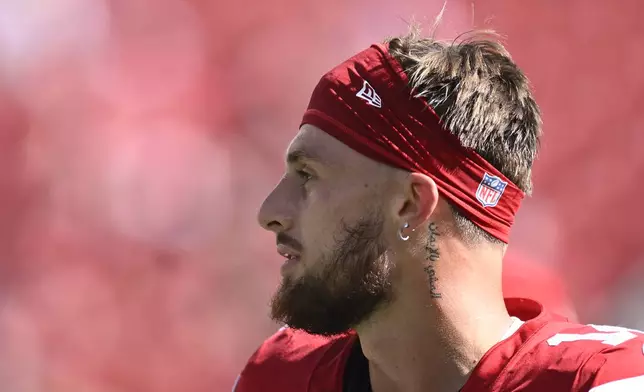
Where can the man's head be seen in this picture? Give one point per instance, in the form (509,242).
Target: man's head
(340,213)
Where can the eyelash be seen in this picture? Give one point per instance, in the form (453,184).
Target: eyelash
(306,176)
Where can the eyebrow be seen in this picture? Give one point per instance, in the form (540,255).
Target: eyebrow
(297,156)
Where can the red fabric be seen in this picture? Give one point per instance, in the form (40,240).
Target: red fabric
(294,361)
(611,370)
(406,133)
(546,354)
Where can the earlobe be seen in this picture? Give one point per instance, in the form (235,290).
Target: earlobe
(421,200)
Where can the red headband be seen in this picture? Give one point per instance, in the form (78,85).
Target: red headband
(366,103)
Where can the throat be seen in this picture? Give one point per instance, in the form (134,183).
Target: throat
(416,361)
(356,372)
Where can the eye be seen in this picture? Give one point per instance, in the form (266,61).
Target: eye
(304,175)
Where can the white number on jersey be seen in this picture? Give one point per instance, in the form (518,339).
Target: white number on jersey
(606,334)
(633,384)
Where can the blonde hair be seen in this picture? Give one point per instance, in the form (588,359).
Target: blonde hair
(482,97)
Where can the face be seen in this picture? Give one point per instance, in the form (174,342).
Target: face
(329,215)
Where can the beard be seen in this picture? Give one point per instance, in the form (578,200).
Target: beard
(355,280)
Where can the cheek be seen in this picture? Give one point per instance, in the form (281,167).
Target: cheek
(318,221)
(324,212)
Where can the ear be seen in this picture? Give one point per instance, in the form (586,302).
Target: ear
(421,199)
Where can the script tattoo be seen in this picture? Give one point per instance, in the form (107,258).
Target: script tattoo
(433,254)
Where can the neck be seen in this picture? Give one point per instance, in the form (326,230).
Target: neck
(420,342)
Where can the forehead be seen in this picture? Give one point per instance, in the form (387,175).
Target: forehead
(316,146)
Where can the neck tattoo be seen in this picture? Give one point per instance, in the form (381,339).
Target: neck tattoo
(432,256)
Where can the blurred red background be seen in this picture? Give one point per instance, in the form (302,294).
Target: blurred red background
(137,139)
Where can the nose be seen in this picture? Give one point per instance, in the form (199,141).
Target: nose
(276,212)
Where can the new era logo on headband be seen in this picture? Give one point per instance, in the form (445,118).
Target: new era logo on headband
(490,190)
(370,95)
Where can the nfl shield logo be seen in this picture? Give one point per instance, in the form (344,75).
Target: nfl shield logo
(490,190)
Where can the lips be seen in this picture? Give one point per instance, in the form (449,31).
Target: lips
(287,252)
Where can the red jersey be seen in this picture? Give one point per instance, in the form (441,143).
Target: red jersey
(547,353)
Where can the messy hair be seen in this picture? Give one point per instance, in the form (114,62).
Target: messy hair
(482,97)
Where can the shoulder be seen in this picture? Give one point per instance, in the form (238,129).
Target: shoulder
(290,359)
(580,357)
(618,364)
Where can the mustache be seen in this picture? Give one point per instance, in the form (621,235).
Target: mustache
(285,239)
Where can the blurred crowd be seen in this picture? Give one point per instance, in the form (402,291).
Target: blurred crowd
(137,139)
